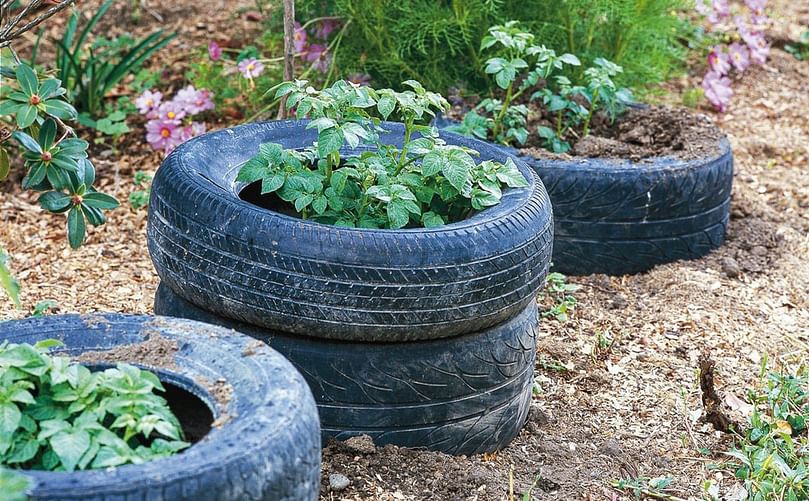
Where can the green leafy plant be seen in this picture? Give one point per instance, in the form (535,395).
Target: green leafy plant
(557,297)
(644,487)
(114,124)
(522,66)
(90,72)
(57,415)
(42,307)
(800,49)
(33,106)
(426,182)
(773,453)
(14,485)
(438,42)
(140,197)
(7,281)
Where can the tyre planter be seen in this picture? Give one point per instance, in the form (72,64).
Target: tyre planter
(620,217)
(271,270)
(462,395)
(263,446)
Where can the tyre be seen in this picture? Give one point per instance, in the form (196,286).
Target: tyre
(268,269)
(462,395)
(620,217)
(264,444)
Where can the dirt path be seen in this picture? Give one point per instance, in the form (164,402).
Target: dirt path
(626,412)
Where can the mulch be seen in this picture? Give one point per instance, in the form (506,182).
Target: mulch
(628,412)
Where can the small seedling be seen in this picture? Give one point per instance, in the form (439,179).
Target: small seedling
(140,197)
(560,295)
(42,307)
(641,487)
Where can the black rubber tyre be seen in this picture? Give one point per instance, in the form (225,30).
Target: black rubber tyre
(620,217)
(623,217)
(462,395)
(267,445)
(275,271)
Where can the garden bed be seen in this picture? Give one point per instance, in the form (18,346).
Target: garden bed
(630,411)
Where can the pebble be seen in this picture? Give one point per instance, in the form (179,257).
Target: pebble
(759,250)
(731,267)
(362,444)
(338,482)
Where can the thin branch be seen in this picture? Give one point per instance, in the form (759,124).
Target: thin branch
(289,50)
(7,36)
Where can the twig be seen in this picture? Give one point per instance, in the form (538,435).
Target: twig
(289,50)
(6,35)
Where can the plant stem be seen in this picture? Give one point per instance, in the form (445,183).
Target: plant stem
(586,130)
(289,50)
(498,121)
(408,132)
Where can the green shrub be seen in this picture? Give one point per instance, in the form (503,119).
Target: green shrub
(438,42)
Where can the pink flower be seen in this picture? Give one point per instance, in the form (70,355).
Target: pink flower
(717,90)
(299,38)
(718,60)
(756,6)
(171,111)
(148,101)
(163,135)
(721,9)
(759,48)
(251,67)
(739,56)
(194,101)
(193,129)
(319,55)
(326,27)
(214,51)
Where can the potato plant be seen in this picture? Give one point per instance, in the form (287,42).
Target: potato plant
(58,415)
(425,182)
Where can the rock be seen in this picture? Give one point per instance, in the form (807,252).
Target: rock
(338,482)
(618,302)
(362,444)
(611,448)
(759,250)
(731,267)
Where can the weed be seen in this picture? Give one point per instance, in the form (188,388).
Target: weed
(557,300)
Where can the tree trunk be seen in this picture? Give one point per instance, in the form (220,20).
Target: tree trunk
(289,50)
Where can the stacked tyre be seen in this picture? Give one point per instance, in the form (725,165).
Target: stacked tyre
(416,337)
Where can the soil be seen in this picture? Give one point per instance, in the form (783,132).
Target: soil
(632,410)
(156,351)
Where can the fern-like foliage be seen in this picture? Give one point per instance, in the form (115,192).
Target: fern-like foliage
(437,41)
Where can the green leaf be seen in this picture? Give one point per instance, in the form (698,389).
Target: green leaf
(36,175)
(570,59)
(10,416)
(75,228)
(329,141)
(27,79)
(431,220)
(457,170)
(322,123)
(9,107)
(511,175)
(302,202)
(432,163)
(272,183)
(386,105)
(47,134)
(26,141)
(26,115)
(60,109)
(70,446)
(398,215)
(55,201)
(319,204)
(100,201)
(49,88)
(5,164)
(482,199)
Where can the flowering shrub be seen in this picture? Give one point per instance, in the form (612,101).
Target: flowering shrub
(743,43)
(170,122)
